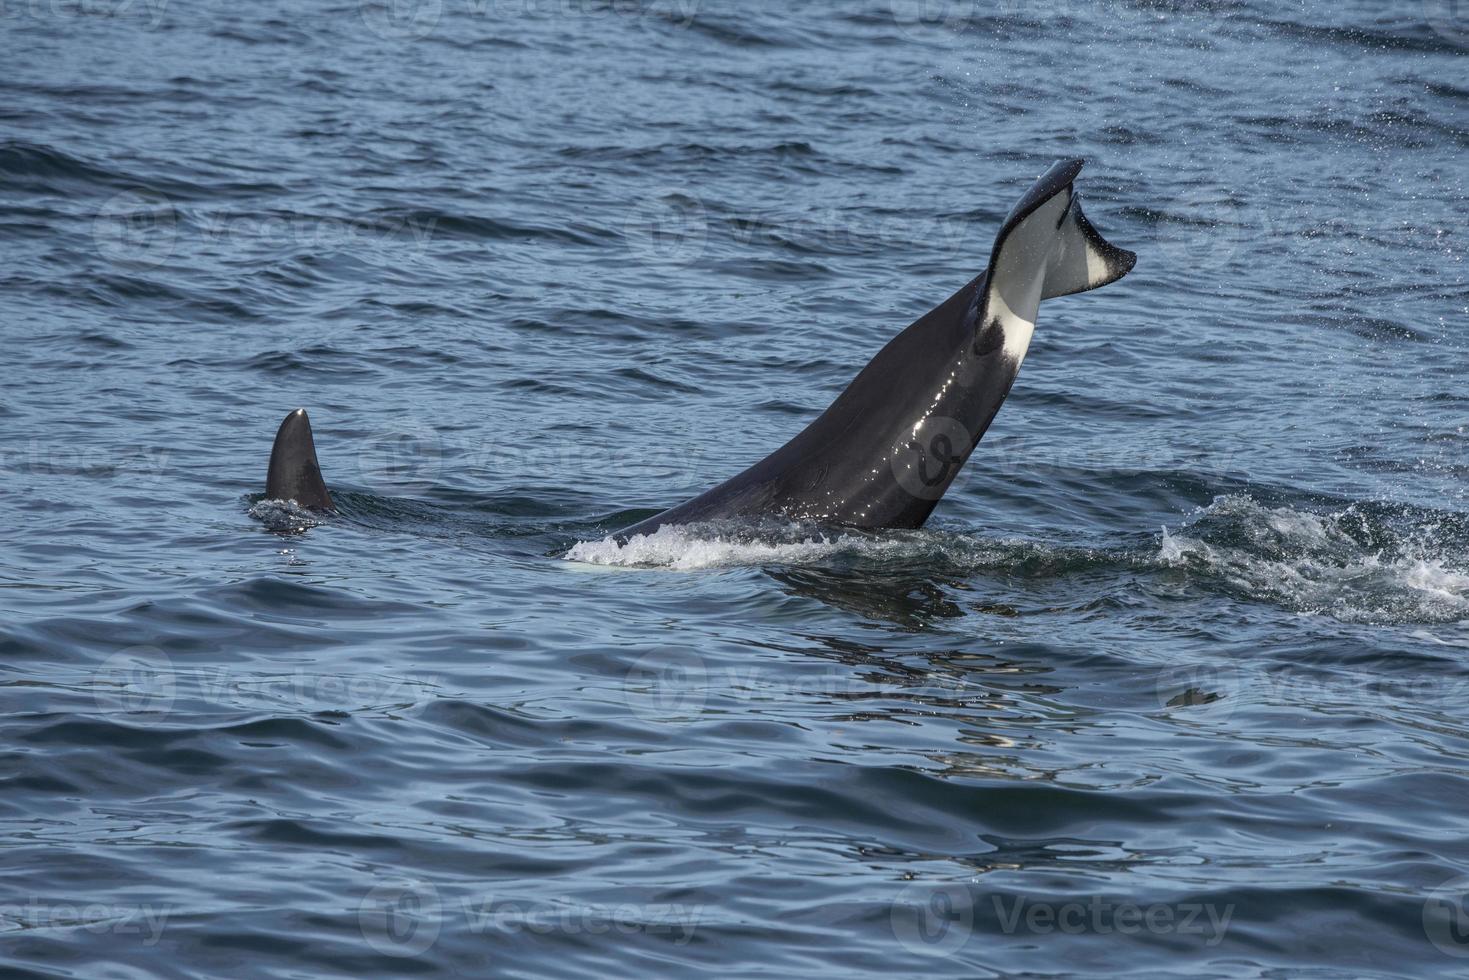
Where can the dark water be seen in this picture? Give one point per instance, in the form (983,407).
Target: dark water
(1175,682)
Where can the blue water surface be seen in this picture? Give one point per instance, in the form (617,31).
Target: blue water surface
(1174,683)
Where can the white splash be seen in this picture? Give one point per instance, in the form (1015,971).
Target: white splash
(1309,562)
(695,547)
(285,515)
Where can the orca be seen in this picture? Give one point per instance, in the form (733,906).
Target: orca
(294,473)
(889,447)
(883,454)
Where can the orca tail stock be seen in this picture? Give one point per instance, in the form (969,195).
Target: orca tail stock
(294,473)
(890,445)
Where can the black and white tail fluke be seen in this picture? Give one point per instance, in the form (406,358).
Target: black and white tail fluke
(294,473)
(1083,258)
(1046,249)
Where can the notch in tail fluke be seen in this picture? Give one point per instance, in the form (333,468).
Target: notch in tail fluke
(294,473)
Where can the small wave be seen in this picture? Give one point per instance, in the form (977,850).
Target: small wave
(285,515)
(420,225)
(39,168)
(1354,565)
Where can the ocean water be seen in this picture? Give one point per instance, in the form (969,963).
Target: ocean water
(1176,681)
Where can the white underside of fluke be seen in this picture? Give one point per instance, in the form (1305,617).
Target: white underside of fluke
(1019,274)
(1050,253)
(1078,263)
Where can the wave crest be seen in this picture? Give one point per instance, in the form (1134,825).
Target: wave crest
(696,546)
(1352,564)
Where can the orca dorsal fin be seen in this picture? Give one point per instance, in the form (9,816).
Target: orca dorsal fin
(294,473)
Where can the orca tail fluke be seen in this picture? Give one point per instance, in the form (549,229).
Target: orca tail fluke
(1083,258)
(294,473)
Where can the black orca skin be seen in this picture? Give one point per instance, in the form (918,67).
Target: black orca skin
(294,472)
